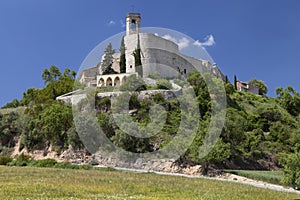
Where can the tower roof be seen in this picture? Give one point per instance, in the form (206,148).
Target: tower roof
(133,15)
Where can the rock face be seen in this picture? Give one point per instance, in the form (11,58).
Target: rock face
(82,156)
(158,165)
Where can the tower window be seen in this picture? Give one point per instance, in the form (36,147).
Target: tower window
(133,24)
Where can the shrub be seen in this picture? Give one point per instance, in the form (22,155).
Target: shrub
(159,98)
(93,162)
(5,151)
(5,159)
(21,160)
(154,75)
(291,169)
(163,84)
(66,165)
(49,162)
(86,167)
(180,82)
(133,83)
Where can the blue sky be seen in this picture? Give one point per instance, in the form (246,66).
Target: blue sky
(251,38)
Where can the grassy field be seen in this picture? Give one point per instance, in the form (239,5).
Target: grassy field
(46,183)
(267,176)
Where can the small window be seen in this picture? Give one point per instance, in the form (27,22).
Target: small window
(133,24)
(184,71)
(130,66)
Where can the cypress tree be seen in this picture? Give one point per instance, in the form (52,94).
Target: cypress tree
(137,59)
(235,80)
(122,57)
(226,79)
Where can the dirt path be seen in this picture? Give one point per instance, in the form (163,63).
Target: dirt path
(226,177)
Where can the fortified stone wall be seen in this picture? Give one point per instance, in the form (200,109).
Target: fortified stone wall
(147,41)
(162,56)
(168,64)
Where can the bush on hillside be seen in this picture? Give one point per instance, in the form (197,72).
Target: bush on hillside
(49,162)
(5,159)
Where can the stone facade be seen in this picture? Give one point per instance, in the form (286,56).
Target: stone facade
(246,87)
(88,75)
(112,79)
(162,56)
(157,55)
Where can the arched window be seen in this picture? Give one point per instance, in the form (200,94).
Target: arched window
(109,82)
(117,81)
(101,82)
(123,79)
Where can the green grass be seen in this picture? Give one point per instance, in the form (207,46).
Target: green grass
(267,176)
(51,183)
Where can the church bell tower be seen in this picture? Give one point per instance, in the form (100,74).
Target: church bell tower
(133,22)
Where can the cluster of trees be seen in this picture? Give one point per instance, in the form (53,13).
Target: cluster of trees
(56,83)
(258,129)
(43,121)
(108,59)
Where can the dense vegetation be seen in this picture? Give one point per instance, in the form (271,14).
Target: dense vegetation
(260,132)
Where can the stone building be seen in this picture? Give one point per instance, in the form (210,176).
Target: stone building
(157,55)
(246,87)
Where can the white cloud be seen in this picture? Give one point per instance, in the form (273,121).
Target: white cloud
(122,24)
(208,41)
(111,23)
(182,43)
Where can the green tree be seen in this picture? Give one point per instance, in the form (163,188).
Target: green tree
(29,96)
(163,84)
(291,169)
(289,99)
(13,104)
(55,121)
(68,74)
(122,56)
(235,82)
(252,146)
(235,126)
(51,75)
(197,81)
(137,59)
(8,129)
(108,60)
(131,143)
(262,88)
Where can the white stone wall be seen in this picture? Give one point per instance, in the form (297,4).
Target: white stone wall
(147,41)
(130,45)
(162,56)
(88,74)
